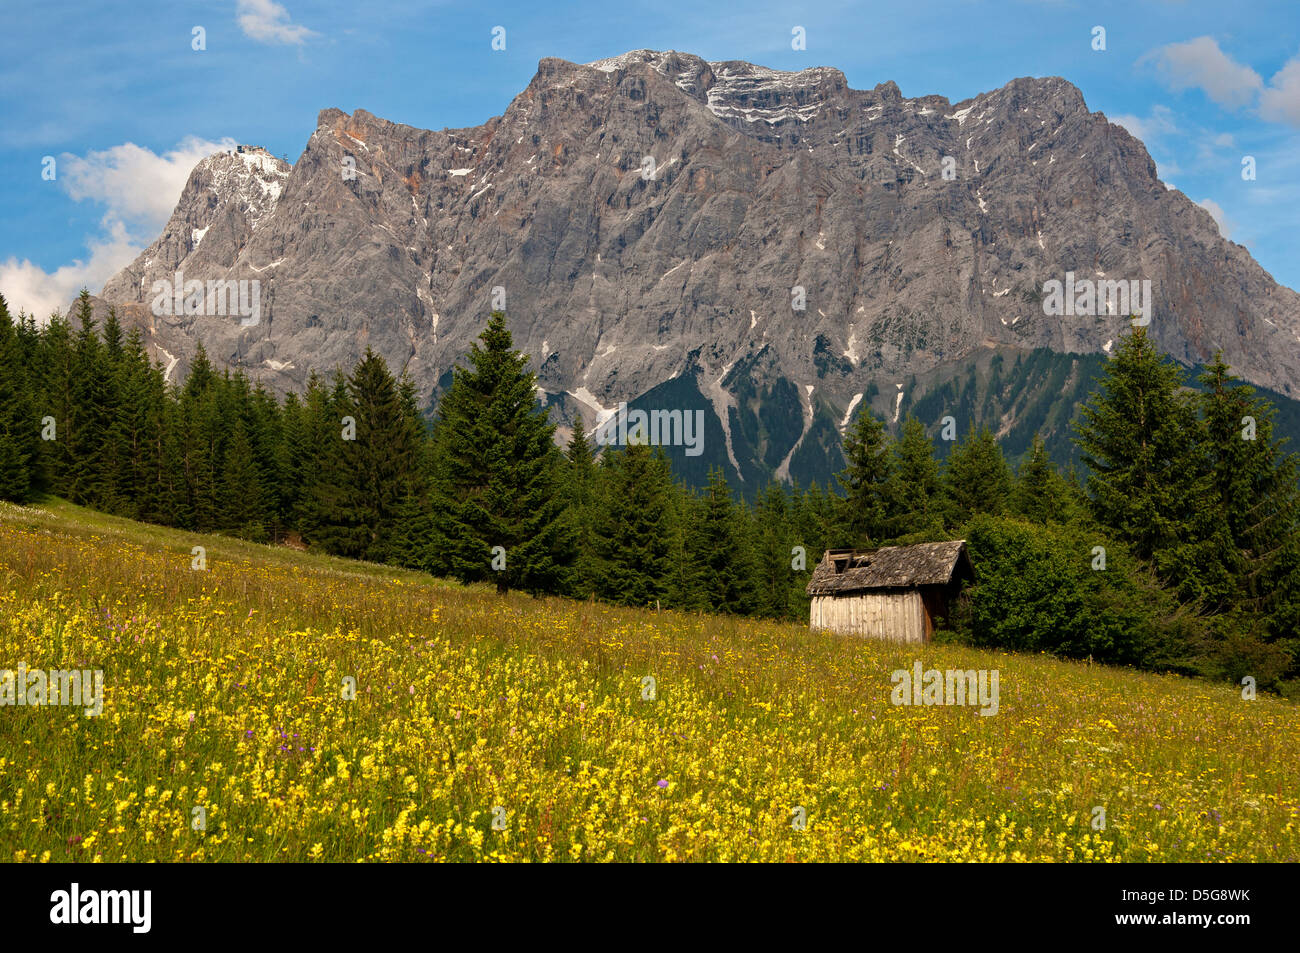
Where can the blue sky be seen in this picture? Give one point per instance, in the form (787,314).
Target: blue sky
(116,94)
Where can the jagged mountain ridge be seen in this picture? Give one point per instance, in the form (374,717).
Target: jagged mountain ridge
(763,180)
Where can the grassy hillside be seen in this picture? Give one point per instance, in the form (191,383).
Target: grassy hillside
(223,691)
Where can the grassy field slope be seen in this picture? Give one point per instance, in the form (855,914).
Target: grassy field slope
(223,690)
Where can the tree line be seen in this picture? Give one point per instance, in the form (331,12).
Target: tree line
(1178,550)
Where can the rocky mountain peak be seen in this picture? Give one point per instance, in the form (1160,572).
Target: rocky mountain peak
(660,227)
(738,90)
(227,197)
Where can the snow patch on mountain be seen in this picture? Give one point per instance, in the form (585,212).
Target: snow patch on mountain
(848,414)
(251,178)
(603,413)
(850,348)
(171,363)
(740,88)
(783,471)
(723,400)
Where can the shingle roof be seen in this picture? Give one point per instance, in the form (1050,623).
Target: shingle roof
(922,564)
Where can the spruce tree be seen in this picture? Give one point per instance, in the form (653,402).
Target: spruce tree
(339,521)
(497,478)
(686,583)
(634,530)
(914,490)
(865,481)
(56,400)
(1040,493)
(415,521)
(243,501)
(777,583)
(202,377)
(1255,499)
(91,409)
(379,464)
(291,462)
(174,500)
(197,449)
(415,531)
(19,426)
(33,356)
(264,428)
(1138,432)
(723,548)
(814,521)
(580,472)
(134,443)
(319,462)
(113,339)
(976,478)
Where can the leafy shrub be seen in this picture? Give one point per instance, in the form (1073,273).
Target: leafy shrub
(1037,591)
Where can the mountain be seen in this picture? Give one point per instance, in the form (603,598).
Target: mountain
(648,221)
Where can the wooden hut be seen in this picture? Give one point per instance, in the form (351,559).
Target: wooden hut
(894,592)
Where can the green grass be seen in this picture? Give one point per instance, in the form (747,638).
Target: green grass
(223,690)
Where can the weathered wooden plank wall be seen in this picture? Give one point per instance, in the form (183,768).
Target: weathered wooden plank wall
(894,615)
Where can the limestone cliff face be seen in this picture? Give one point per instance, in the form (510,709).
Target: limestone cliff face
(649,220)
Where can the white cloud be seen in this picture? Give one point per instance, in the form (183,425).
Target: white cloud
(1159,123)
(136,186)
(138,190)
(28,287)
(1200,64)
(1281,101)
(1164,168)
(268,22)
(1226,225)
(1132,123)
